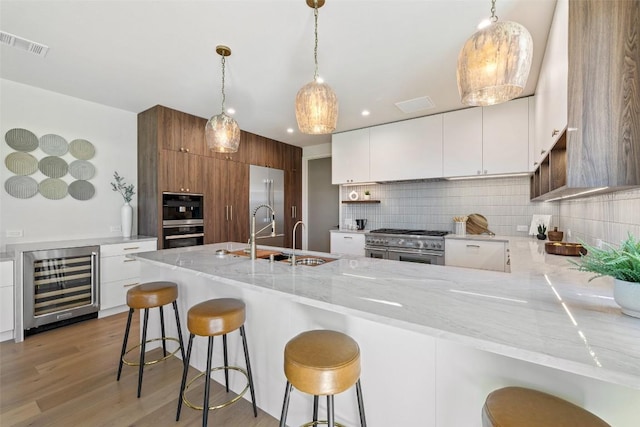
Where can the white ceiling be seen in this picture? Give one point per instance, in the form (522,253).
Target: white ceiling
(133,55)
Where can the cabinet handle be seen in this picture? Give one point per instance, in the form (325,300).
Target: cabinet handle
(535,163)
(186,149)
(473,246)
(226,212)
(478,173)
(130,260)
(181,149)
(131,248)
(187,190)
(542,151)
(181,189)
(296,211)
(231,212)
(348,237)
(293,215)
(485,171)
(555,132)
(130,285)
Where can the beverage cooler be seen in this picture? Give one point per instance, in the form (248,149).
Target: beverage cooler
(60,286)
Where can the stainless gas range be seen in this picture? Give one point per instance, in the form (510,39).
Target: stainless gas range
(422,246)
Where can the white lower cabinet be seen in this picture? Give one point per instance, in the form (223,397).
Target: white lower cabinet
(118,273)
(6,300)
(347,243)
(480,254)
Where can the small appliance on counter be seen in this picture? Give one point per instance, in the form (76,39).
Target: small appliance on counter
(361,224)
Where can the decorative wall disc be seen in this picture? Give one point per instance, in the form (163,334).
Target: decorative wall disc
(53,188)
(54,145)
(21,163)
(21,139)
(82,149)
(21,187)
(82,169)
(81,190)
(53,167)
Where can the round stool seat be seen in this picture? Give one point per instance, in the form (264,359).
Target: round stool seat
(523,407)
(152,294)
(322,362)
(216,317)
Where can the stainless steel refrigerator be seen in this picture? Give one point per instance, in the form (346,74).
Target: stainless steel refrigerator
(266,187)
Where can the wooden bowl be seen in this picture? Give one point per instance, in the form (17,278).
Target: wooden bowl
(565,249)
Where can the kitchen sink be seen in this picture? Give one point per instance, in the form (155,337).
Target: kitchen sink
(310,261)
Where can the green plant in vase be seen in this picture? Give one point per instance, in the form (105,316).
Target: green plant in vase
(542,231)
(623,264)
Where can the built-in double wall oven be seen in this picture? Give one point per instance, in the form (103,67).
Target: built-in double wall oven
(182,220)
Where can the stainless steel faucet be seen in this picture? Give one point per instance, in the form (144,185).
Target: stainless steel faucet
(252,238)
(293,239)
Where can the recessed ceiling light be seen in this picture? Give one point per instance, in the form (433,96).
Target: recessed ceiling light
(365,112)
(231,111)
(289,130)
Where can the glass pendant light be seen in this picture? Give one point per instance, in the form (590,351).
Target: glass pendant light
(494,64)
(316,102)
(222,132)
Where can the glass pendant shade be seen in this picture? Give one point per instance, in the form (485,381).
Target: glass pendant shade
(316,109)
(494,64)
(222,134)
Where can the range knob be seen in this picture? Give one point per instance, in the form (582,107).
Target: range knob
(401,242)
(438,245)
(433,245)
(418,244)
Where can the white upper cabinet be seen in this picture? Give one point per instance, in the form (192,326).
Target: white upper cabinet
(350,157)
(505,137)
(551,91)
(411,149)
(463,142)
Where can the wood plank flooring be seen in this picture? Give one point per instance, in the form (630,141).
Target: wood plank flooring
(67,377)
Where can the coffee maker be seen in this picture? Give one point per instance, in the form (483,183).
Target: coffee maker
(361,223)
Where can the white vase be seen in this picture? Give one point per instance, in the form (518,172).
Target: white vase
(126,219)
(627,296)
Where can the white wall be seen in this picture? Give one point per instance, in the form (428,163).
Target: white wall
(113,132)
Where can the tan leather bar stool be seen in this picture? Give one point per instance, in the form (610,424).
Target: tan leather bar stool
(209,319)
(146,296)
(322,363)
(524,407)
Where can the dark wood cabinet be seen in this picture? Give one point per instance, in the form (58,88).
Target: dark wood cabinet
(293,194)
(266,152)
(180,131)
(226,201)
(173,157)
(180,172)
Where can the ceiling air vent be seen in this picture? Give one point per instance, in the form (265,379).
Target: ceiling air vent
(23,44)
(415,105)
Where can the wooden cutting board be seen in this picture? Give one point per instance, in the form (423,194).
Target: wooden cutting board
(477,224)
(260,253)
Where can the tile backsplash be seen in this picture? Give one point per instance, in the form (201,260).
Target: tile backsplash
(607,217)
(433,204)
(503,201)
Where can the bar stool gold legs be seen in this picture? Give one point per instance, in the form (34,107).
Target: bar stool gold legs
(211,318)
(322,363)
(146,296)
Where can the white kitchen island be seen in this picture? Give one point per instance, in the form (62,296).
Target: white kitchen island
(434,340)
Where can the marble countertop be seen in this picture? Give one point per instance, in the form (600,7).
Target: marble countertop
(542,312)
(344,230)
(59,244)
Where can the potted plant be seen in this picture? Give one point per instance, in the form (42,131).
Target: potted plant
(623,264)
(367,194)
(542,229)
(126,211)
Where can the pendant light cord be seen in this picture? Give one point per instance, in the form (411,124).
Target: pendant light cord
(223,96)
(315,48)
(494,18)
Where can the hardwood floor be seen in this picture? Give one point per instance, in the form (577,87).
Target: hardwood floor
(67,377)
